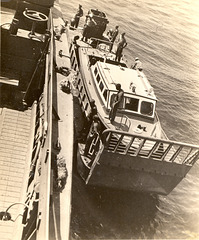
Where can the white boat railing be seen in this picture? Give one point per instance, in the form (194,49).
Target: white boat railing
(125,122)
(149,148)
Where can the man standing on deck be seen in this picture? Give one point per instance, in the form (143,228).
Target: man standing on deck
(113,37)
(91,114)
(78,15)
(90,23)
(137,65)
(121,45)
(88,120)
(118,99)
(93,134)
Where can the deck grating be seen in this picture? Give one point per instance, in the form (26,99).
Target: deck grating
(15,127)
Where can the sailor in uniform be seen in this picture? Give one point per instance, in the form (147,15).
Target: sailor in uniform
(137,65)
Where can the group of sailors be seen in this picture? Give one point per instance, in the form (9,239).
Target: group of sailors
(111,34)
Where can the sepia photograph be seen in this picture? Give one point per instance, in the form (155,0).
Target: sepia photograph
(99,120)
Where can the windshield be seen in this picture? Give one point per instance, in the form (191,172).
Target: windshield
(131,104)
(146,108)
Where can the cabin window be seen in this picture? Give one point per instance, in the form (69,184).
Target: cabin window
(73,61)
(95,71)
(146,108)
(131,104)
(79,81)
(81,88)
(98,78)
(86,106)
(105,94)
(83,98)
(101,86)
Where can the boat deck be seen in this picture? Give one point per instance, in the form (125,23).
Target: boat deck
(122,122)
(15,133)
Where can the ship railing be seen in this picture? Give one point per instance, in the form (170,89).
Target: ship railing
(45,182)
(125,123)
(150,148)
(38,215)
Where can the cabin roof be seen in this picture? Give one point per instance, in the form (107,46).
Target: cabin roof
(113,74)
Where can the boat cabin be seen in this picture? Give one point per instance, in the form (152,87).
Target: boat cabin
(139,98)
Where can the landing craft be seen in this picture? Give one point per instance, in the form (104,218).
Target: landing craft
(132,152)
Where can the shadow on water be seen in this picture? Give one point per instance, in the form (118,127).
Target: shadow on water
(99,213)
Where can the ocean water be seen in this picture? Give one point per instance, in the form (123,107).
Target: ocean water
(165,36)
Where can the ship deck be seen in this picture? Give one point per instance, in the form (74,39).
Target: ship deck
(62,131)
(16,138)
(15,150)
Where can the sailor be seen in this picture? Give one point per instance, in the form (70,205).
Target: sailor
(75,40)
(93,134)
(113,37)
(137,65)
(92,61)
(90,23)
(89,119)
(75,44)
(121,45)
(92,112)
(78,15)
(118,99)
(110,33)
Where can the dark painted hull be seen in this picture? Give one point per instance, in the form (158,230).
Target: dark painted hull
(132,174)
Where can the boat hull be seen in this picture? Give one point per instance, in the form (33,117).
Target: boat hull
(131,174)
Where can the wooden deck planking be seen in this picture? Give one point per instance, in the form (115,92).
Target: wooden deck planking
(15,128)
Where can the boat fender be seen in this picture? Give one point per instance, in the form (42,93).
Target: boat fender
(63,70)
(61,172)
(65,86)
